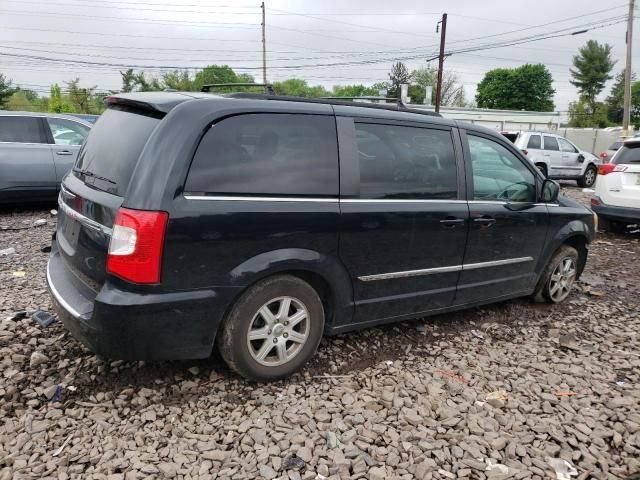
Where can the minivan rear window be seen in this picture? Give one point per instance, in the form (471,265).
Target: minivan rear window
(111,151)
(267,154)
(627,154)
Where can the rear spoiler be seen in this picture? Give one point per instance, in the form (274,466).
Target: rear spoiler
(146,103)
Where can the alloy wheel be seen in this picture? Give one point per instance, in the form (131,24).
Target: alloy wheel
(562,279)
(278,331)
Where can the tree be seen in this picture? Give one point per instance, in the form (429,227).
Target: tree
(57,103)
(398,75)
(20,101)
(528,87)
(220,74)
(593,66)
(128,80)
(615,100)
(82,99)
(6,90)
(299,88)
(354,91)
(178,80)
(584,115)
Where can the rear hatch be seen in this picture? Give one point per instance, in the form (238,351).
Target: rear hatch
(624,181)
(94,190)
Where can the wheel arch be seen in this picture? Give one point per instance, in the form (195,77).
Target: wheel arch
(325,273)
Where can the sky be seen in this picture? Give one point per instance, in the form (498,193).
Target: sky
(329,43)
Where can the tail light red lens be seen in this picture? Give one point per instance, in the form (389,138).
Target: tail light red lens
(621,168)
(606,168)
(525,152)
(135,250)
(604,155)
(595,201)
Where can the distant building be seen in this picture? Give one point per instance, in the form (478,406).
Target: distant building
(501,120)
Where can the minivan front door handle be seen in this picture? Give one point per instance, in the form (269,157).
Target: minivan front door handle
(64,152)
(451,222)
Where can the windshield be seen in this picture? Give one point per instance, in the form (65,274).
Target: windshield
(108,157)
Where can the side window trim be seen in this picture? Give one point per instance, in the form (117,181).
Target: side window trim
(355,170)
(464,134)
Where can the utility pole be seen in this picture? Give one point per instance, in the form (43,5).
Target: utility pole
(443,34)
(626,118)
(264,47)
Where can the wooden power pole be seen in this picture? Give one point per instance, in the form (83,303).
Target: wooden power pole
(264,48)
(626,118)
(443,34)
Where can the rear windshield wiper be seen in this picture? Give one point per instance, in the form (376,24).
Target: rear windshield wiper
(91,174)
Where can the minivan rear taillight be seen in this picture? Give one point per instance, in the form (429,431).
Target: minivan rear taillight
(137,240)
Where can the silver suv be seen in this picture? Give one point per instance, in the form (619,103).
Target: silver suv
(36,151)
(557,157)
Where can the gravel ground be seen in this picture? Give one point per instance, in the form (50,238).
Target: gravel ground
(513,390)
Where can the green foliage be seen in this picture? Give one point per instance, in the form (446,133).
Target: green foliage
(57,103)
(615,100)
(20,101)
(82,99)
(354,91)
(299,88)
(581,114)
(528,87)
(593,66)
(6,90)
(398,75)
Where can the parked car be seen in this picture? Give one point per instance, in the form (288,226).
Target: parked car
(259,223)
(557,157)
(617,196)
(89,118)
(610,152)
(36,151)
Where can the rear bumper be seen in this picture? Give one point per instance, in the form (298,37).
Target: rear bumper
(118,324)
(620,214)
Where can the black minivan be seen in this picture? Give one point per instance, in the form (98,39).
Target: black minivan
(260,223)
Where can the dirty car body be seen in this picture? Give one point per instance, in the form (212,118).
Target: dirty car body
(389,215)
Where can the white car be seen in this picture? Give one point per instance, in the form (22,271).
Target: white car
(617,196)
(557,157)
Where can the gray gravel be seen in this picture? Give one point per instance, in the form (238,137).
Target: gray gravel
(533,387)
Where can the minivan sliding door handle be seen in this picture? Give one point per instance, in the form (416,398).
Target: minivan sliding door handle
(484,220)
(451,222)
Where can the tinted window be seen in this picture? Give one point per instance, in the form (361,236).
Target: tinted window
(534,142)
(20,129)
(405,162)
(566,146)
(615,146)
(550,143)
(498,174)
(66,132)
(627,154)
(112,149)
(267,154)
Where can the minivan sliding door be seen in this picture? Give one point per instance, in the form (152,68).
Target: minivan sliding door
(403,224)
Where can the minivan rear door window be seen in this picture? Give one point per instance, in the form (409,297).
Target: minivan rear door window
(21,129)
(110,153)
(267,154)
(406,162)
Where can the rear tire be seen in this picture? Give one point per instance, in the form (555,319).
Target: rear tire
(273,329)
(558,277)
(589,177)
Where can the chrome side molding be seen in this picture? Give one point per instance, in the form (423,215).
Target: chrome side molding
(451,268)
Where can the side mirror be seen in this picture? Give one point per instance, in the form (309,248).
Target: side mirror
(550,191)
(580,158)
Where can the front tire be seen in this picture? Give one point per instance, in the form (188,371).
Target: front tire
(273,329)
(589,177)
(559,275)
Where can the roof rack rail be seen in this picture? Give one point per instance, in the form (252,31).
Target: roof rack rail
(399,106)
(268,88)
